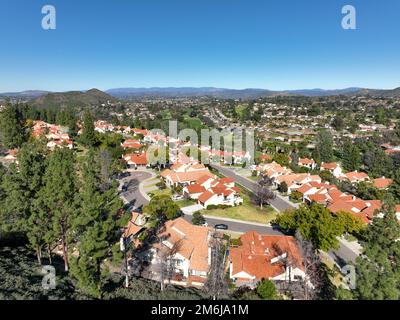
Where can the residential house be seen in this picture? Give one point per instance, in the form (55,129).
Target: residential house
(354,177)
(333,168)
(132,144)
(364,209)
(136,160)
(134,227)
(103,126)
(295,181)
(193,191)
(221,195)
(382,183)
(307,163)
(272,257)
(187,248)
(274,170)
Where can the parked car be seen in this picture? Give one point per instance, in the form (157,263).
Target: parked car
(125,187)
(177,197)
(221,227)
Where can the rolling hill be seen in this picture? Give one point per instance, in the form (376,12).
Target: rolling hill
(29,94)
(380,93)
(72,99)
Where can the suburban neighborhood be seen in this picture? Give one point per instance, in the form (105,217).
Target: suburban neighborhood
(237,155)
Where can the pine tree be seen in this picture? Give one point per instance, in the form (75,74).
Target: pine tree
(324,147)
(11,128)
(351,156)
(21,185)
(88,135)
(378,269)
(97,225)
(60,196)
(395,187)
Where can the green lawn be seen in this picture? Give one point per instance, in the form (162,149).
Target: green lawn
(185,203)
(160,192)
(246,212)
(155,180)
(149,186)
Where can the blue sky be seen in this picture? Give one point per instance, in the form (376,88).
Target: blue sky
(272,44)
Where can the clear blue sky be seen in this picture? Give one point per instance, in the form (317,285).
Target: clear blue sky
(272,44)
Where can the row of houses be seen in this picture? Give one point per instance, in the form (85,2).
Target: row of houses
(313,190)
(104,127)
(337,201)
(188,249)
(57,136)
(199,184)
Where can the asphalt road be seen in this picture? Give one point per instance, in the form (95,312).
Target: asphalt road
(239,226)
(133,194)
(278,203)
(344,254)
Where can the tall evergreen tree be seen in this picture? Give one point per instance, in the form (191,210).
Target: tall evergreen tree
(377,162)
(351,156)
(97,226)
(88,134)
(60,196)
(12,128)
(323,151)
(21,185)
(378,269)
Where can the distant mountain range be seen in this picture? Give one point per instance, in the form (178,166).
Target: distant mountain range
(30,94)
(94,96)
(130,93)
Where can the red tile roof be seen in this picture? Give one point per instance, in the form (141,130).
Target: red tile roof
(138,159)
(256,252)
(195,188)
(382,183)
(206,196)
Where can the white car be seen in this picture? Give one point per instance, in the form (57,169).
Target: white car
(177,197)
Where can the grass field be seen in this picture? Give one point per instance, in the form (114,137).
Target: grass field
(160,192)
(185,203)
(245,213)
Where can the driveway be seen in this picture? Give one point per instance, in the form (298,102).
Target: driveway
(279,203)
(135,195)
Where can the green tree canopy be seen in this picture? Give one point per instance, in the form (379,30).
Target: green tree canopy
(12,131)
(317,224)
(161,208)
(378,269)
(266,290)
(88,136)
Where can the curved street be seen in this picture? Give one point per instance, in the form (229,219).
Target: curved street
(134,196)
